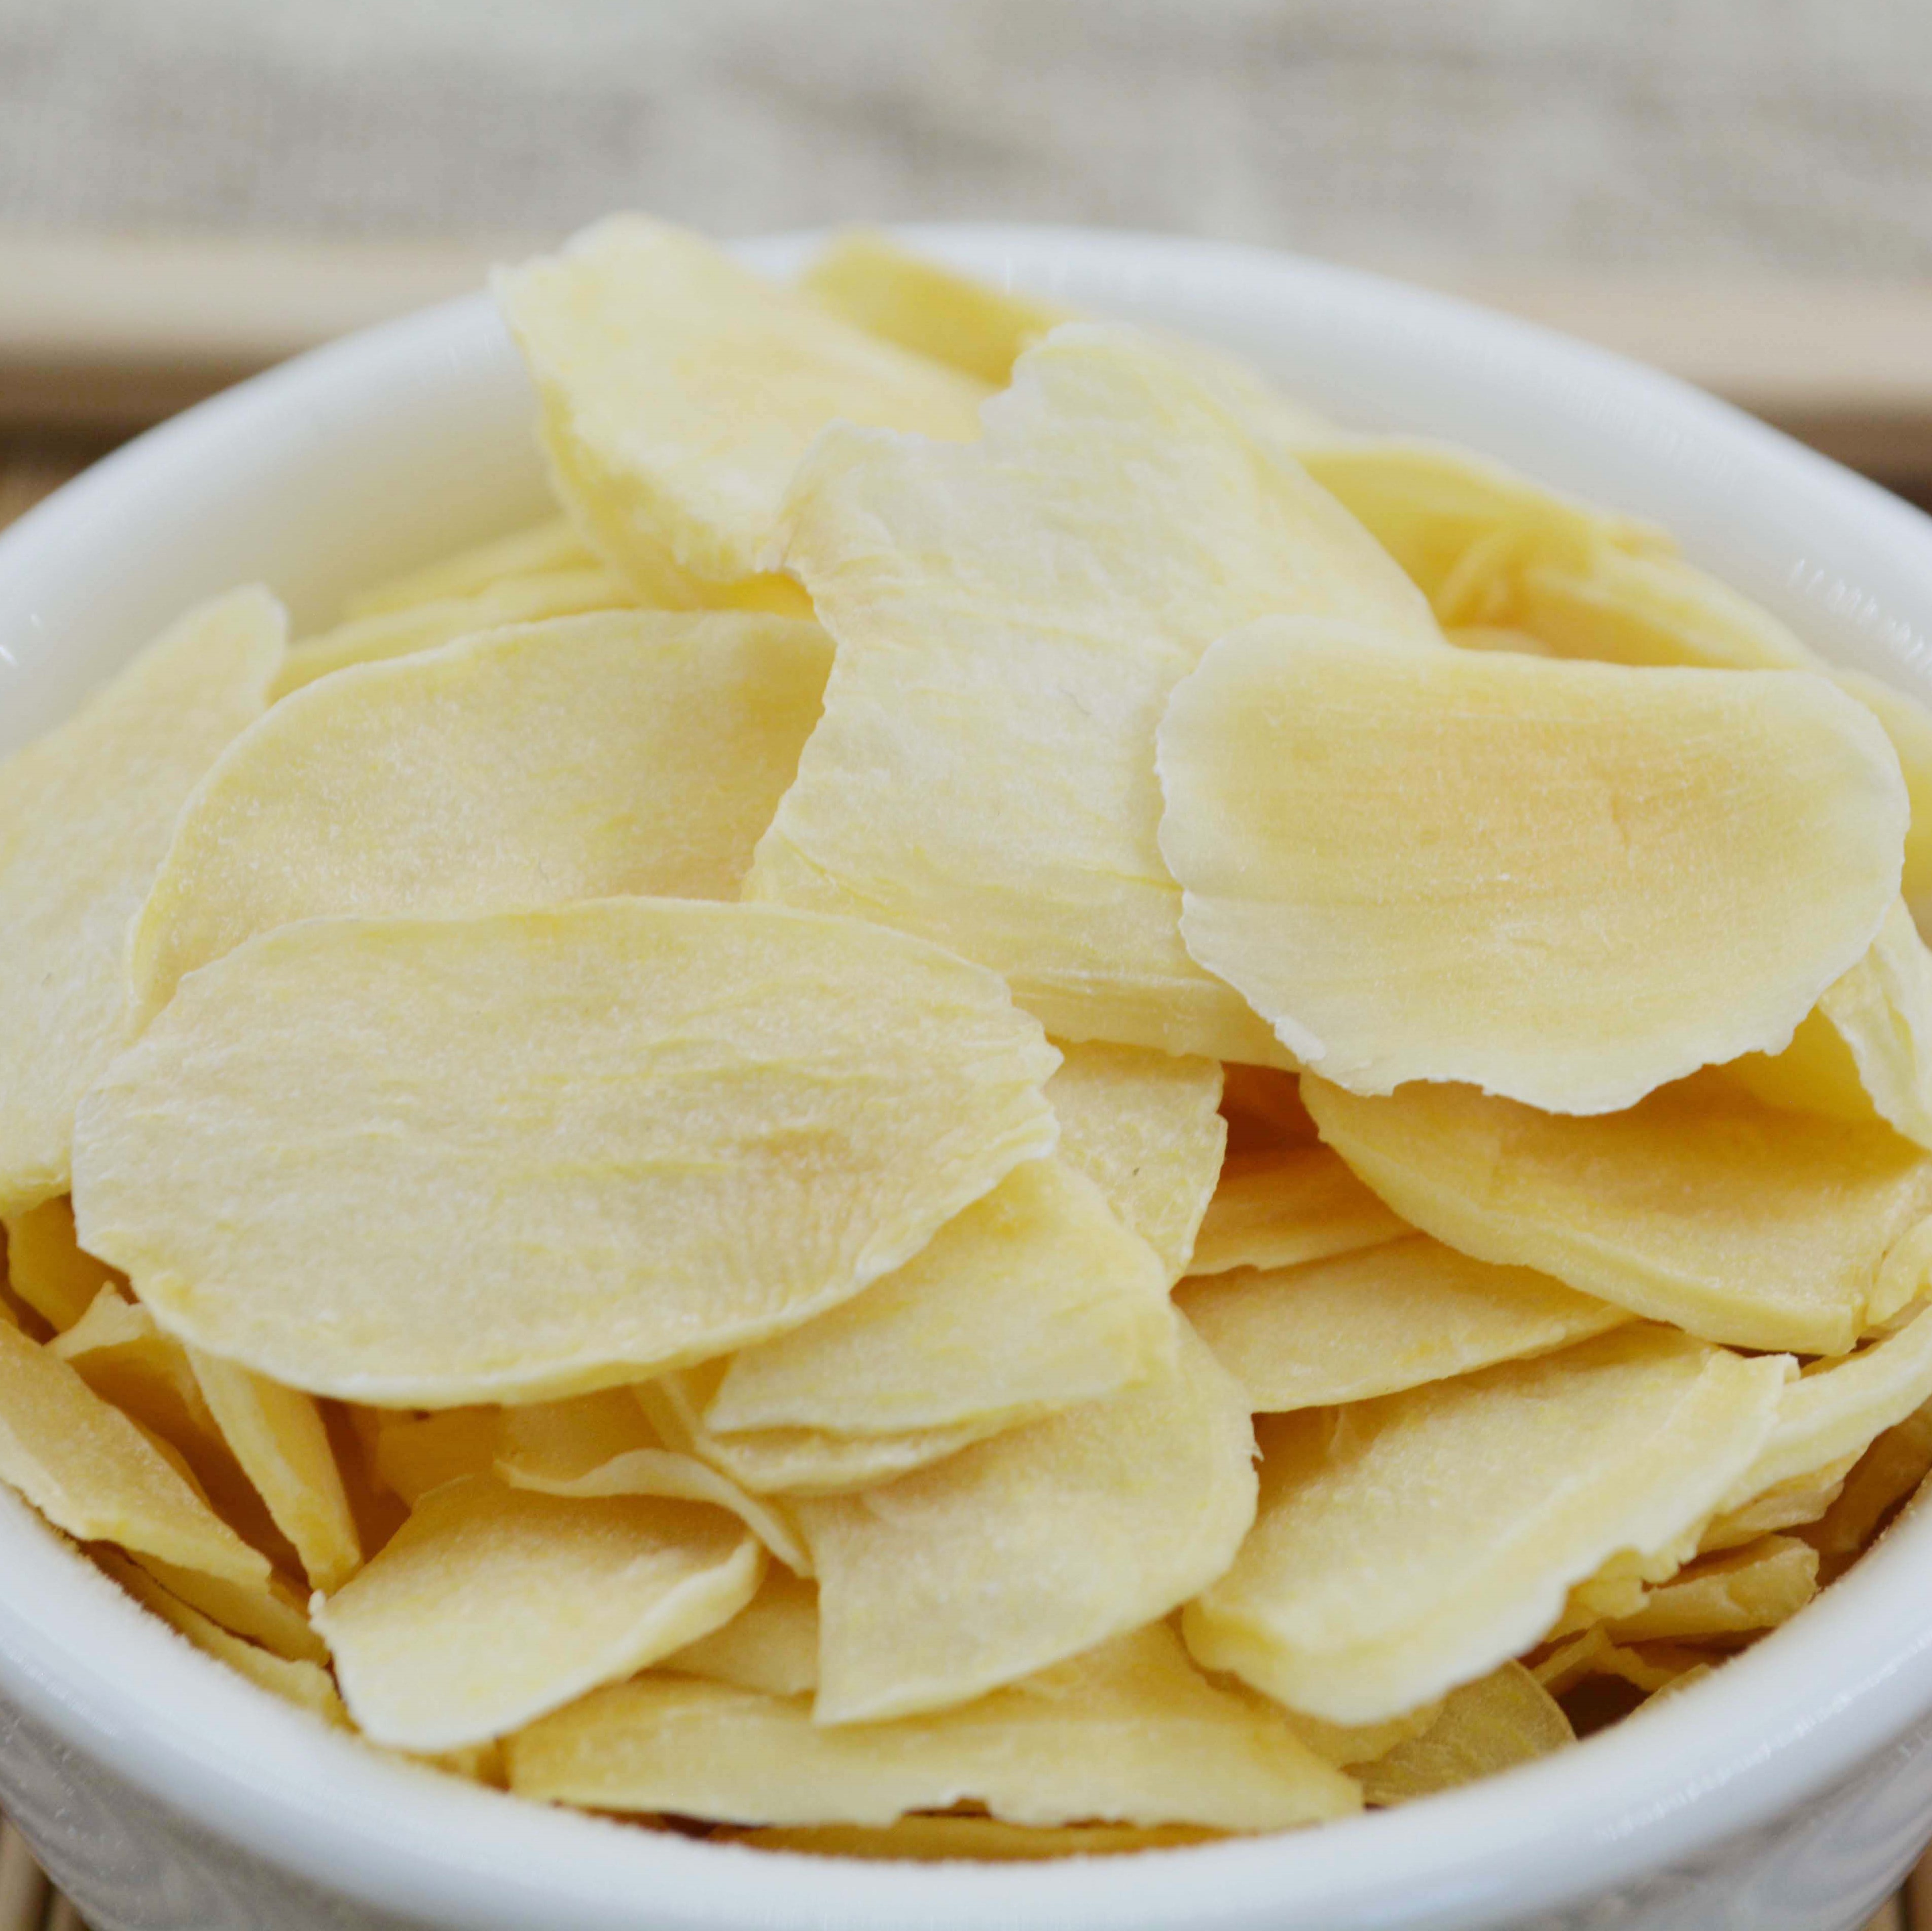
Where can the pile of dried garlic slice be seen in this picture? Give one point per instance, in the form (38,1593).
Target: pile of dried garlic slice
(1018,1107)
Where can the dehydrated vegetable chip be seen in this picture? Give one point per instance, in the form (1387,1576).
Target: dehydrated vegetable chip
(86,815)
(680,391)
(869,280)
(539,551)
(90,1471)
(438,1162)
(1368,1323)
(47,1268)
(1031,1547)
(1702,1206)
(1129,1732)
(277,1434)
(1500,1720)
(1409,1544)
(1280,1206)
(771,1644)
(1624,875)
(639,752)
(491,1606)
(1035,1298)
(1010,616)
(1143,1126)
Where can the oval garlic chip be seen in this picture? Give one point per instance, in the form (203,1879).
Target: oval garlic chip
(1866,1048)
(490,1607)
(771,1644)
(1410,1544)
(1280,1206)
(1145,1128)
(796,1460)
(539,551)
(1486,1727)
(1756,1587)
(680,391)
(1031,1547)
(603,1444)
(1035,1298)
(866,279)
(92,1472)
(1622,608)
(1464,528)
(436,1162)
(1129,1732)
(1010,615)
(1837,1409)
(637,752)
(390,634)
(1366,1324)
(278,1435)
(86,816)
(45,1266)
(1740,1221)
(1567,883)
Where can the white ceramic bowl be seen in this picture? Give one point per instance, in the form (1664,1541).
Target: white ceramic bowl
(1787,1794)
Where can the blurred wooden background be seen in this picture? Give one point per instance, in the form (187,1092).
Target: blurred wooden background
(1738,191)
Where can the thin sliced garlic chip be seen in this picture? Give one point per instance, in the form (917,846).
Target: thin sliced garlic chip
(1742,1222)
(1463,528)
(92,1472)
(1367,1323)
(390,634)
(1837,1409)
(46,1269)
(771,1644)
(865,278)
(1737,1593)
(1623,875)
(490,1607)
(540,550)
(603,1444)
(1009,617)
(1280,1206)
(1492,1725)
(278,1435)
(1410,1544)
(793,1461)
(1129,1732)
(1033,1298)
(1145,1128)
(1031,1547)
(86,816)
(680,391)
(1866,1048)
(634,753)
(437,1161)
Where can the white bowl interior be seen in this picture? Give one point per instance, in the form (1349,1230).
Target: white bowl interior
(377,453)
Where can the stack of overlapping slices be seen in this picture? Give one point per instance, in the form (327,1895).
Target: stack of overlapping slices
(685,1167)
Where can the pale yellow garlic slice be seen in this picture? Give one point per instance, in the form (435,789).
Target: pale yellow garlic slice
(635,752)
(1031,1547)
(86,816)
(490,1607)
(321,1161)
(680,391)
(1034,1298)
(1625,875)
(1743,1222)
(1368,1323)
(1129,1732)
(1143,1126)
(1279,1207)
(1412,1543)
(1010,616)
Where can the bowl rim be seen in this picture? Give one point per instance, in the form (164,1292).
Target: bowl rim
(1798,1713)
